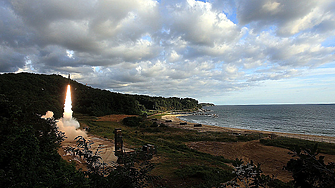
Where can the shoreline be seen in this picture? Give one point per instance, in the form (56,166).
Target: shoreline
(212,128)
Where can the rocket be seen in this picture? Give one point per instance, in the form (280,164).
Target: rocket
(69,78)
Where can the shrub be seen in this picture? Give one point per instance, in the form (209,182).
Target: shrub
(162,125)
(250,175)
(132,121)
(211,176)
(154,124)
(308,171)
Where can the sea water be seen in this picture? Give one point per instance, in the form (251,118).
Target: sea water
(298,118)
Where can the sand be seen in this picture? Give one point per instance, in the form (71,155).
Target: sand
(272,159)
(176,123)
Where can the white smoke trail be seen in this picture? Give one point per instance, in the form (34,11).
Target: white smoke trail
(67,123)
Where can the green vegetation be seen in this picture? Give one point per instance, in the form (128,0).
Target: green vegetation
(40,93)
(29,144)
(250,175)
(206,176)
(132,121)
(191,168)
(29,157)
(310,171)
(176,157)
(28,151)
(164,104)
(207,104)
(295,144)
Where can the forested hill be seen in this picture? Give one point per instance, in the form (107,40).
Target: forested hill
(40,93)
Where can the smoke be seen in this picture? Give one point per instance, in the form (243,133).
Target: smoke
(49,114)
(70,127)
(67,123)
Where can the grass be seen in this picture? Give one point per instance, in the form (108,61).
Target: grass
(178,163)
(173,154)
(292,143)
(209,175)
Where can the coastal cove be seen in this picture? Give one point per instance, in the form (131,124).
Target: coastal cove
(309,122)
(296,119)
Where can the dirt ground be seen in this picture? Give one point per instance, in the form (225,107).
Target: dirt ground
(175,122)
(272,159)
(105,146)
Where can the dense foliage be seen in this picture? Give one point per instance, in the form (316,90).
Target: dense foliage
(132,121)
(293,143)
(250,175)
(41,93)
(28,151)
(160,103)
(112,175)
(209,176)
(29,158)
(310,171)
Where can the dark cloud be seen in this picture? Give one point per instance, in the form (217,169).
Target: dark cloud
(168,48)
(288,17)
(10,60)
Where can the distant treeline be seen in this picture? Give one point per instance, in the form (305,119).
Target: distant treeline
(207,104)
(40,93)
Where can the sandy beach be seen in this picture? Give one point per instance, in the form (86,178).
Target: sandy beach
(175,122)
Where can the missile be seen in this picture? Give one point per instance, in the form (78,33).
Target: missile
(69,78)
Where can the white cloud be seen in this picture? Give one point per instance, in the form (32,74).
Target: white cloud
(198,23)
(169,48)
(271,7)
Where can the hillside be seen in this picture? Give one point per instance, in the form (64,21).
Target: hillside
(40,93)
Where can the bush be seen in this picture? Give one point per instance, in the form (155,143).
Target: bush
(250,175)
(132,171)
(293,143)
(162,125)
(132,121)
(154,124)
(310,171)
(28,151)
(210,175)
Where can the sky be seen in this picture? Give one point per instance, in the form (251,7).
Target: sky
(217,51)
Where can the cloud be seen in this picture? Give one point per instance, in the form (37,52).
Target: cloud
(289,17)
(198,23)
(184,48)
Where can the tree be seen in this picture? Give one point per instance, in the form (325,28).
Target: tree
(113,175)
(28,151)
(249,175)
(310,172)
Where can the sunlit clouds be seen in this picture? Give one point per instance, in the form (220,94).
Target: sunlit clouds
(209,50)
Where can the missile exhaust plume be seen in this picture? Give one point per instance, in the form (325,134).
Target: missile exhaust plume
(67,123)
(68,104)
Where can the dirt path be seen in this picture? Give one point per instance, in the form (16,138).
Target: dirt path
(272,159)
(105,146)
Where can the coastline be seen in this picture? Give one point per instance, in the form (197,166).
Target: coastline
(175,122)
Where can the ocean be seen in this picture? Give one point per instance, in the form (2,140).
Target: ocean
(308,119)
